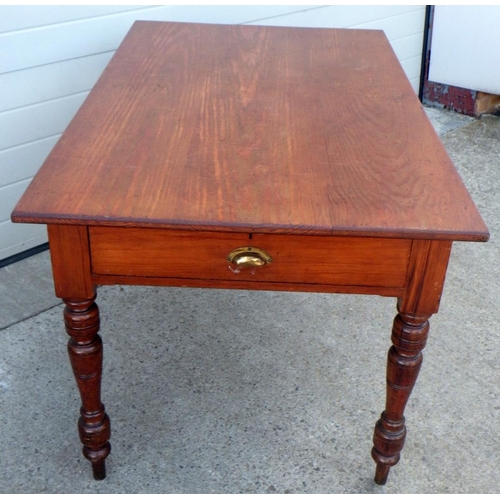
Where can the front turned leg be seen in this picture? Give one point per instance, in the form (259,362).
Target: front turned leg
(409,336)
(85,352)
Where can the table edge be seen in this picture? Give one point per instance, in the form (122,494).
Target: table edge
(297,230)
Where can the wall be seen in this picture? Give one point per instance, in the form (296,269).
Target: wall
(50,57)
(465,47)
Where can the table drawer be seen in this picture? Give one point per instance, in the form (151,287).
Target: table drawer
(295,259)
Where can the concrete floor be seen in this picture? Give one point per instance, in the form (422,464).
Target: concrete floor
(261,392)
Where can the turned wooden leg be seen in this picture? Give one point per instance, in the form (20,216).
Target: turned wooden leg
(409,336)
(85,352)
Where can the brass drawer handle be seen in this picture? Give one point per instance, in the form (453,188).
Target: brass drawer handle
(249,257)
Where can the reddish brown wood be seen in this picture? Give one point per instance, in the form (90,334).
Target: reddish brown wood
(70,257)
(197,136)
(426,275)
(71,266)
(254,128)
(384,291)
(85,353)
(409,336)
(295,259)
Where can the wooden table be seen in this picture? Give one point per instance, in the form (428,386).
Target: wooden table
(258,158)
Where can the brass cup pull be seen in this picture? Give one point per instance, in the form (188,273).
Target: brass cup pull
(249,260)
(249,257)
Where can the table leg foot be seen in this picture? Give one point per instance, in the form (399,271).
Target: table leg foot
(409,336)
(99,470)
(381,474)
(85,353)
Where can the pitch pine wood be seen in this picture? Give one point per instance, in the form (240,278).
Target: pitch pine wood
(296,259)
(409,336)
(248,284)
(426,277)
(308,143)
(242,128)
(70,258)
(81,319)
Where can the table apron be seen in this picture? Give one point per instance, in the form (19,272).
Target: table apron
(197,258)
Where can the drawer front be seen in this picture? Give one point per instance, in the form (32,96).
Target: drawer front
(323,260)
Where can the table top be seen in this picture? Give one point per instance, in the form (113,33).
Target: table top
(251,128)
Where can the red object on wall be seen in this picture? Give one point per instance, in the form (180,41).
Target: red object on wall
(450,97)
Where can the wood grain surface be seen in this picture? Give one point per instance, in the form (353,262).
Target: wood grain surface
(252,128)
(295,259)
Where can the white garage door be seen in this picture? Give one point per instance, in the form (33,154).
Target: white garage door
(50,57)
(465,46)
